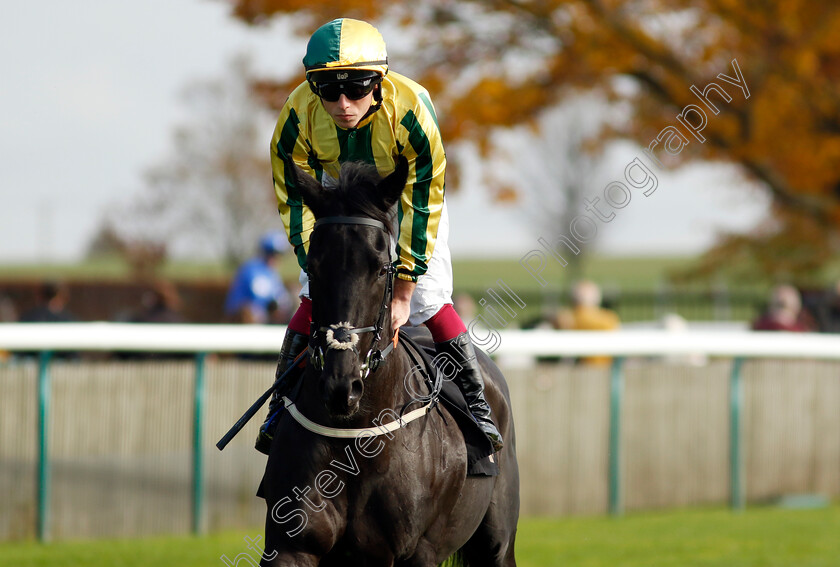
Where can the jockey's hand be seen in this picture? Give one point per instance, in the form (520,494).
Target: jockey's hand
(401,304)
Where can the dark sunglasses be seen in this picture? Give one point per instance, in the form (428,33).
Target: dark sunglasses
(354,90)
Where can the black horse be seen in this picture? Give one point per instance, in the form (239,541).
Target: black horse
(339,494)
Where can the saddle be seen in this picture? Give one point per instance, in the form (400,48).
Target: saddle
(480,460)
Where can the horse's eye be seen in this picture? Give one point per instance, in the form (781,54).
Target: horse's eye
(383,270)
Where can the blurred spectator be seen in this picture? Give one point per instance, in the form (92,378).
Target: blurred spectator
(784,313)
(257,295)
(588,315)
(464,305)
(8,312)
(827,311)
(51,305)
(161,304)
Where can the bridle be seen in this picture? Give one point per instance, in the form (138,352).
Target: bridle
(343,336)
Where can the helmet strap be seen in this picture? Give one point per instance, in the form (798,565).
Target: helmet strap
(377,97)
(312,87)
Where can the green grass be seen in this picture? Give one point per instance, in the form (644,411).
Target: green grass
(714,538)
(620,277)
(759,537)
(641,272)
(629,272)
(110,269)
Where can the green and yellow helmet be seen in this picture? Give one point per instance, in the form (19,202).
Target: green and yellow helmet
(345,49)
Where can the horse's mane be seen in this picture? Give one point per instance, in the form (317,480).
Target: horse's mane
(357,195)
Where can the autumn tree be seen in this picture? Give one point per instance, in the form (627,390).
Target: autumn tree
(550,182)
(212,195)
(499,63)
(144,256)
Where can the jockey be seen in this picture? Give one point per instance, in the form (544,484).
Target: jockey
(351,108)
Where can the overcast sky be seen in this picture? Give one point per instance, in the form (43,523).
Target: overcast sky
(89,94)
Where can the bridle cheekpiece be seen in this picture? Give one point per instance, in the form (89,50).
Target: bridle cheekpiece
(343,336)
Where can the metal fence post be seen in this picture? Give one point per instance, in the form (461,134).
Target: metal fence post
(43,487)
(736,463)
(616,395)
(198,453)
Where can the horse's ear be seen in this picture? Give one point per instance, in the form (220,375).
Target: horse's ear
(392,186)
(311,191)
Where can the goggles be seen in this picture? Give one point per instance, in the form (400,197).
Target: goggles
(354,90)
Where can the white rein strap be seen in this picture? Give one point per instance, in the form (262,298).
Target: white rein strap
(352,433)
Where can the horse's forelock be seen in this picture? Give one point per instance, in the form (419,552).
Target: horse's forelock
(357,194)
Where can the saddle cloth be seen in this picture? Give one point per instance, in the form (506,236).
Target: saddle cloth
(480,458)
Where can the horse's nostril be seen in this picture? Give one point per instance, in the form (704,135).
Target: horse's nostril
(356,390)
(343,398)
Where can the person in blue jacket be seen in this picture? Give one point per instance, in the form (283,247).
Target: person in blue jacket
(257,294)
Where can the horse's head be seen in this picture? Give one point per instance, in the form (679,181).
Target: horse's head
(350,275)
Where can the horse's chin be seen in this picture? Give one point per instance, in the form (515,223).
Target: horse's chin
(344,414)
(345,418)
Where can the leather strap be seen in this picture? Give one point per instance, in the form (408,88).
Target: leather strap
(325,431)
(351,220)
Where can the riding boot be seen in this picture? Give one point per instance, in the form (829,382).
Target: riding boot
(293,344)
(469,381)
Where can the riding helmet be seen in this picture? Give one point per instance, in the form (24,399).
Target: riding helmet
(345,49)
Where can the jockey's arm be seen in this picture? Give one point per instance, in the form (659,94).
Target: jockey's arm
(422,205)
(422,199)
(400,304)
(289,149)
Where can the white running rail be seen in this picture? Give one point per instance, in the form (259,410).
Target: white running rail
(267,339)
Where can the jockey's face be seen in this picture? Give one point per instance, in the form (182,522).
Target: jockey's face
(348,113)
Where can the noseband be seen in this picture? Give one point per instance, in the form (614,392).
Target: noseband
(343,336)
